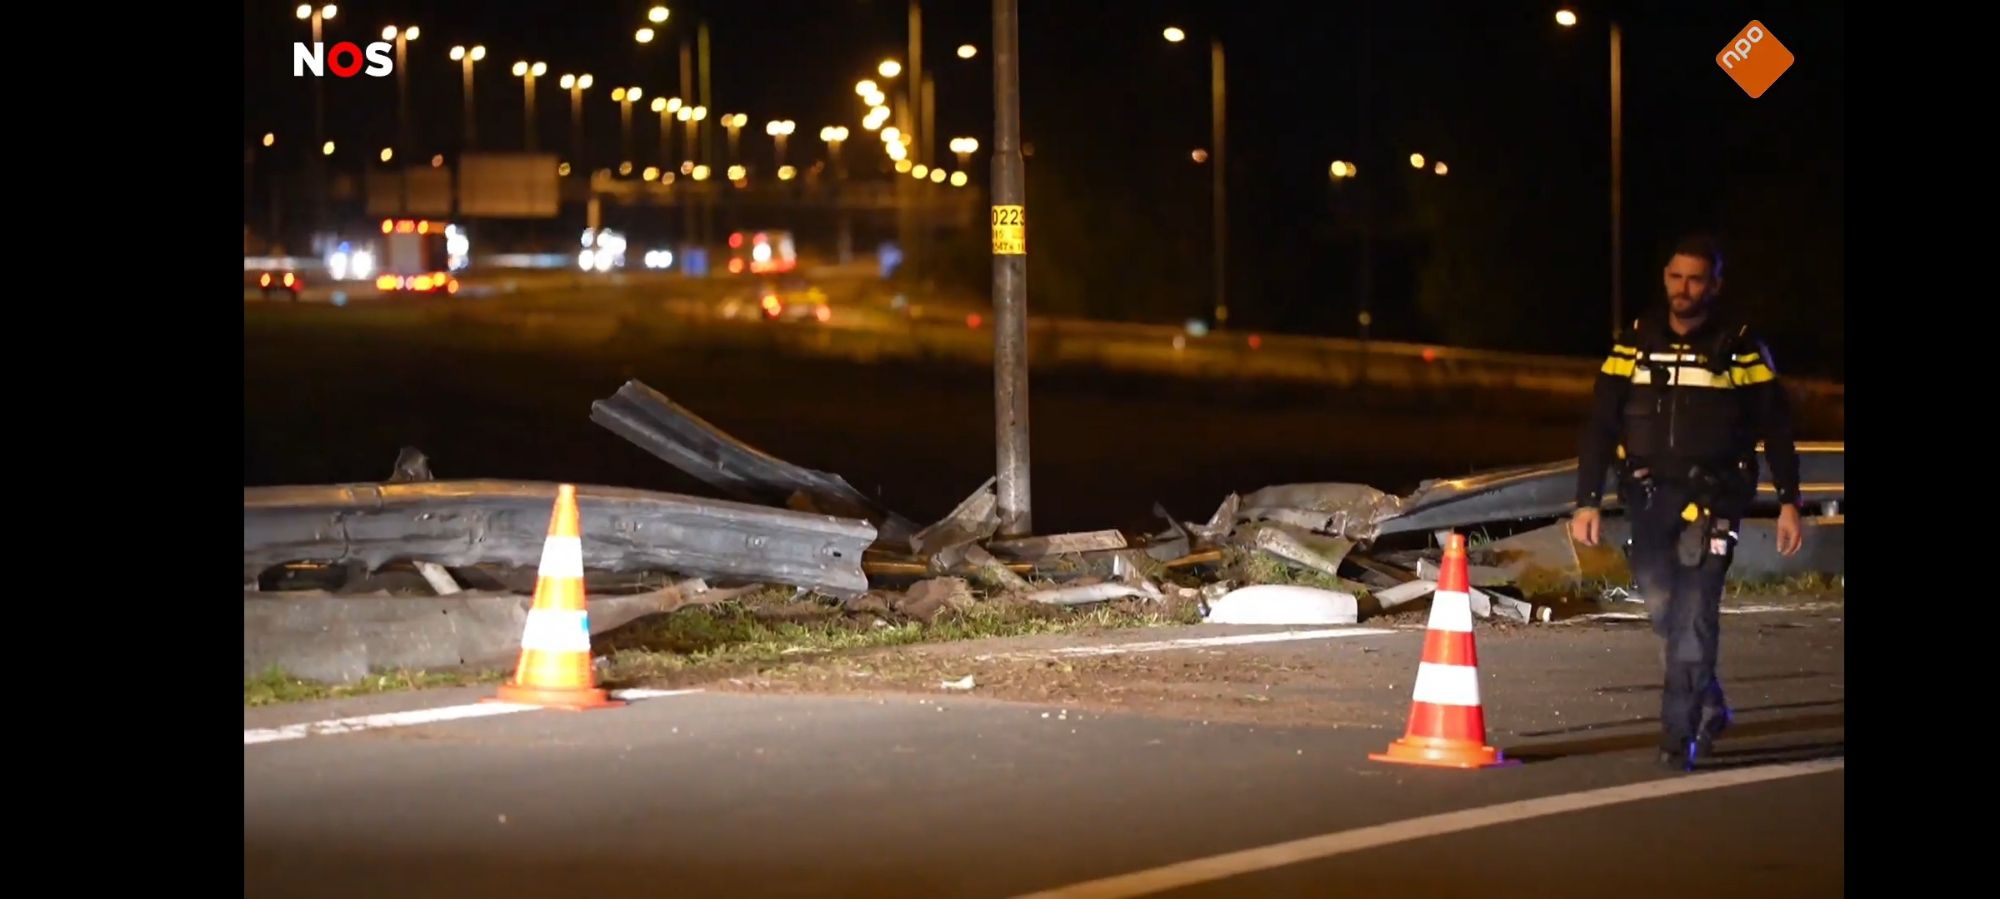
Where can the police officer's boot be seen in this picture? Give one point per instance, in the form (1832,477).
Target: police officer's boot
(1681,757)
(1715,718)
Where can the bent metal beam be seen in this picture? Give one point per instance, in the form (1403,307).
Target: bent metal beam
(464,523)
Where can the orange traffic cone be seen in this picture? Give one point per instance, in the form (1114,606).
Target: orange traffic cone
(1447,725)
(554,670)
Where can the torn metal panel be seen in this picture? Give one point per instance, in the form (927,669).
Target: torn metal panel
(975,519)
(991,570)
(1475,575)
(1030,549)
(1549,490)
(466,523)
(1274,540)
(1172,543)
(1347,510)
(1538,561)
(1383,570)
(1220,523)
(662,427)
(1508,607)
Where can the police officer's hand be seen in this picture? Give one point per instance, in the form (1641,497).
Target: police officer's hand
(1790,536)
(1584,527)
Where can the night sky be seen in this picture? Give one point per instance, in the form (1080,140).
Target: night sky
(1512,245)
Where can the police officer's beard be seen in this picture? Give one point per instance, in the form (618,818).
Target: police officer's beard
(1683,307)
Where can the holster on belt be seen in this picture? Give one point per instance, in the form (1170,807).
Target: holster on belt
(1706,530)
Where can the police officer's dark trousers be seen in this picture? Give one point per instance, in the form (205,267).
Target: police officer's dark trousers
(1685,604)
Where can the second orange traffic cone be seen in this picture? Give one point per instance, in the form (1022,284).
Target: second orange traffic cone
(1447,723)
(554,670)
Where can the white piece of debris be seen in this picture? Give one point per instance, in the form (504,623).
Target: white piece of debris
(1284,604)
(963,683)
(1089,593)
(1405,592)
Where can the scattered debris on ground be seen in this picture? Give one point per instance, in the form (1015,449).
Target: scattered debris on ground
(1315,553)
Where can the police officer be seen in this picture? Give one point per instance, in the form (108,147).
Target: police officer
(1679,406)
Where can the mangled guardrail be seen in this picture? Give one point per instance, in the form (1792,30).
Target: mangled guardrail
(682,439)
(1360,512)
(475,522)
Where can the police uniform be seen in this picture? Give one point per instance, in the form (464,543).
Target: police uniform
(1680,417)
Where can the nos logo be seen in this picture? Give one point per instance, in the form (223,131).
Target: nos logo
(344,59)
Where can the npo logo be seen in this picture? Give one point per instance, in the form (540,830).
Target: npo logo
(344,58)
(1754,59)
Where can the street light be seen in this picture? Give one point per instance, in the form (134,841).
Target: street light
(318,16)
(967,51)
(326,149)
(779,129)
(864,88)
(643,35)
(657,14)
(576,85)
(1440,168)
(1567,19)
(626,96)
(734,123)
(270,138)
(835,135)
(889,68)
(964,147)
(958,179)
(1218,91)
(388,153)
(402,37)
(528,73)
(1416,160)
(1342,169)
(689,115)
(465,58)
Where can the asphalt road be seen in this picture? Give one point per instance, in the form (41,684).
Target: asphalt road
(893,795)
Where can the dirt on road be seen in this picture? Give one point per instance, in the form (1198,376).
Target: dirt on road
(1779,653)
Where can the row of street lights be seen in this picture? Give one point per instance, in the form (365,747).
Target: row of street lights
(529,72)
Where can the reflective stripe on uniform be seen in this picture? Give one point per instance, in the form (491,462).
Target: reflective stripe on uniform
(1685,376)
(1751,374)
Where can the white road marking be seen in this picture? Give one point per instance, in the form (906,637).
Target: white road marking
(1231,864)
(418,716)
(1726,610)
(1112,649)
(1794,607)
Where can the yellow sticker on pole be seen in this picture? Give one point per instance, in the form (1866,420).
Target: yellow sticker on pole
(1010,231)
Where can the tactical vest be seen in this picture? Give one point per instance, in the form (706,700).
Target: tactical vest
(1685,407)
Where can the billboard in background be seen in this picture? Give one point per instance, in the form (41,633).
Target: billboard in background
(429,191)
(508,185)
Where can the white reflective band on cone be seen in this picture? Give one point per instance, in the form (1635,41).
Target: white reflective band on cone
(562,557)
(550,630)
(1447,684)
(1451,610)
